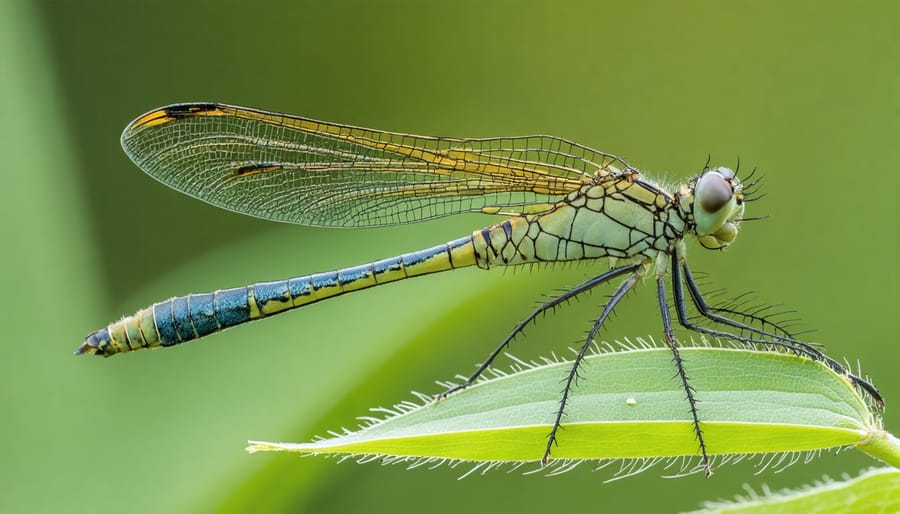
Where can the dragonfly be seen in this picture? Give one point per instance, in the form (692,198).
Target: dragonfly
(562,201)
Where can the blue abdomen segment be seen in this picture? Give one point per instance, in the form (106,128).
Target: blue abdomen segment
(196,315)
(185,318)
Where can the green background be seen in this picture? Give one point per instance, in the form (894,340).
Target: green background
(809,94)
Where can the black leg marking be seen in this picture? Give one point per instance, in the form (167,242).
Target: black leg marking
(679,365)
(764,338)
(568,295)
(573,373)
(707,312)
(746,311)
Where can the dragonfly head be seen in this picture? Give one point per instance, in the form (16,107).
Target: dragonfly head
(718,207)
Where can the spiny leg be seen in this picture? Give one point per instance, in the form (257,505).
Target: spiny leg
(710,314)
(786,343)
(759,314)
(777,341)
(679,365)
(568,295)
(573,372)
(744,310)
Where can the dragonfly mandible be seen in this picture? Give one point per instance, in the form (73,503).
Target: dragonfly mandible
(562,202)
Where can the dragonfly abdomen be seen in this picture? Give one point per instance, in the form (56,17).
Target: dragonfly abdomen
(186,318)
(504,244)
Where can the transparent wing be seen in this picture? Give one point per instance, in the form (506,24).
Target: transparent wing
(298,170)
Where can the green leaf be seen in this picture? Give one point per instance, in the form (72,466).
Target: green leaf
(875,491)
(628,405)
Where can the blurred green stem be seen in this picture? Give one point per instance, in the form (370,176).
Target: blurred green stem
(883,446)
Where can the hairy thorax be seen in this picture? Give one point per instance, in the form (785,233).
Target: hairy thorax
(622,217)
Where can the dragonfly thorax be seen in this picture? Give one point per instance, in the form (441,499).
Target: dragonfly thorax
(716,203)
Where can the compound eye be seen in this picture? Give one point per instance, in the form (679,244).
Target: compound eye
(713,191)
(728,173)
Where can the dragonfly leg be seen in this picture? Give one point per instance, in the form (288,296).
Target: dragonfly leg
(681,309)
(760,315)
(679,365)
(764,338)
(573,372)
(568,295)
(711,314)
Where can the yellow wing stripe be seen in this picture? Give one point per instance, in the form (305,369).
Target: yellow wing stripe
(532,175)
